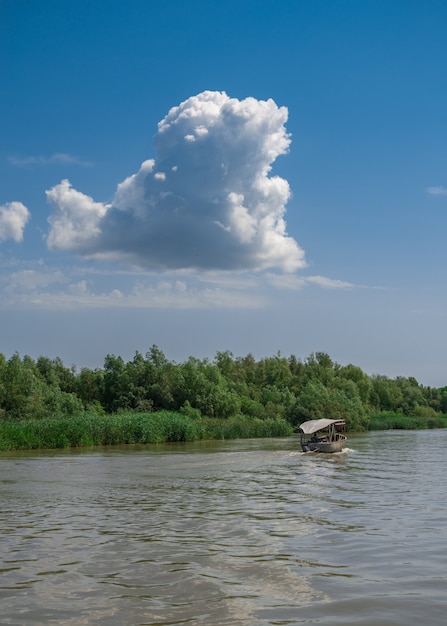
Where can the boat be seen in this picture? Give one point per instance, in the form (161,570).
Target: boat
(323,435)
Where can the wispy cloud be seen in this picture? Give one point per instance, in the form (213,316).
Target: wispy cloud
(329,283)
(291,282)
(27,280)
(78,288)
(206,202)
(294,282)
(57,158)
(45,288)
(437,191)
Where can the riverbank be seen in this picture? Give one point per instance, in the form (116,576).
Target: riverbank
(91,429)
(130,428)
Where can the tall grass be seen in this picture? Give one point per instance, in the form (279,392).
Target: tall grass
(129,428)
(243,428)
(389,421)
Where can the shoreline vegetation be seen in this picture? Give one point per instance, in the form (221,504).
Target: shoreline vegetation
(44,404)
(131,428)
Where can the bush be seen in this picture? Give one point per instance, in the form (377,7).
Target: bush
(424,411)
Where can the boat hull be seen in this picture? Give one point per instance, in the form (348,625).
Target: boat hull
(327,446)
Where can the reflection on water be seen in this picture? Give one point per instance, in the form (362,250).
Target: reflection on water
(246,532)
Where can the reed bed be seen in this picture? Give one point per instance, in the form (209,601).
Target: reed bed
(390,421)
(130,428)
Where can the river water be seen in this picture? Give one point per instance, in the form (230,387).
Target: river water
(244,533)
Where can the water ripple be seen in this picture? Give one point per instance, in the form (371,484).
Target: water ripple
(249,533)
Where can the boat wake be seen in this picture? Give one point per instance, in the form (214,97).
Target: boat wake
(343,452)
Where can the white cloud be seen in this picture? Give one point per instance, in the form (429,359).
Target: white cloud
(75,222)
(83,287)
(294,282)
(437,191)
(31,279)
(290,282)
(13,219)
(329,283)
(206,202)
(51,290)
(58,157)
(130,193)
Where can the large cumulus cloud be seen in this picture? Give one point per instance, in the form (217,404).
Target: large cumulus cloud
(207,201)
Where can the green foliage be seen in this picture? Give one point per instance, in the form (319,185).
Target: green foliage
(242,428)
(129,428)
(318,401)
(359,378)
(391,421)
(443,399)
(26,392)
(90,387)
(135,401)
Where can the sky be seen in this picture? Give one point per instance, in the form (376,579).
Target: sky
(252,176)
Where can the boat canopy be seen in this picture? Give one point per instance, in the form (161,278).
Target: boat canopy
(312,426)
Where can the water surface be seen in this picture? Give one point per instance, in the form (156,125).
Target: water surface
(224,533)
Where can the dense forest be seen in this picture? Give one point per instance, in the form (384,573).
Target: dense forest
(227,387)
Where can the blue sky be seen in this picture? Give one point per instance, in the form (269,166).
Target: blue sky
(253,176)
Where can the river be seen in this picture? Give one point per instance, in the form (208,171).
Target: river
(249,533)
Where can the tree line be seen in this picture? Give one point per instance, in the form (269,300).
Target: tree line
(276,387)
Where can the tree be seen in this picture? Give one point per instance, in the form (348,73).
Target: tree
(361,380)
(90,386)
(114,383)
(316,401)
(28,395)
(319,366)
(386,395)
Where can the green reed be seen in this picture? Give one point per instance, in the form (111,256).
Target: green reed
(243,428)
(389,421)
(91,429)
